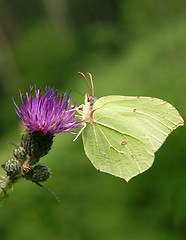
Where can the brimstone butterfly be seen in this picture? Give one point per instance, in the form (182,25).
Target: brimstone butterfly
(121,134)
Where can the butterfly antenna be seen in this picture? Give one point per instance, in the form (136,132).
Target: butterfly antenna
(86,81)
(57,199)
(90,75)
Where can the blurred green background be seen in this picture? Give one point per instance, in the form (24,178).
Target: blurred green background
(131,48)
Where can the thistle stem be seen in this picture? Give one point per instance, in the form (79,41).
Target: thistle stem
(5,185)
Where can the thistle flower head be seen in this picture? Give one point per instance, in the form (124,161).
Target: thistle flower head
(48,112)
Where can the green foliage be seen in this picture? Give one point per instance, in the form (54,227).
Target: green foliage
(151,62)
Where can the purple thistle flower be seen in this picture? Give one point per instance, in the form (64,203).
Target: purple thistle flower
(48,113)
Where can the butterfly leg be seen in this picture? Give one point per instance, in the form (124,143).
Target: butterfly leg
(78,116)
(84,126)
(80,107)
(79,111)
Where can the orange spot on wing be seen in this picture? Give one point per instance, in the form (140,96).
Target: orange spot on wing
(123,143)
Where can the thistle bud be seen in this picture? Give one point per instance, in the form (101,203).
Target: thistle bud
(39,173)
(20,153)
(38,145)
(12,167)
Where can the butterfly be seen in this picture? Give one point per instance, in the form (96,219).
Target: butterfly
(122,133)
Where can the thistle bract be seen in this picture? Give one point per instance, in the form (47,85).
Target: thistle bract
(12,167)
(48,112)
(38,145)
(19,153)
(39,173)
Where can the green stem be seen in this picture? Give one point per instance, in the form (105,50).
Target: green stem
(5,185)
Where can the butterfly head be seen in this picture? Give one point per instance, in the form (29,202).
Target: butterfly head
(89,100)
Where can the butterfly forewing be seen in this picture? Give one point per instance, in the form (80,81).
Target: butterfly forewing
(155,117)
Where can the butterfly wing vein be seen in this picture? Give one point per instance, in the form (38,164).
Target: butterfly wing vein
(127,132)
(103,146)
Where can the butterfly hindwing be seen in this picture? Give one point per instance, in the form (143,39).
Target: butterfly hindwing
(116,146)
